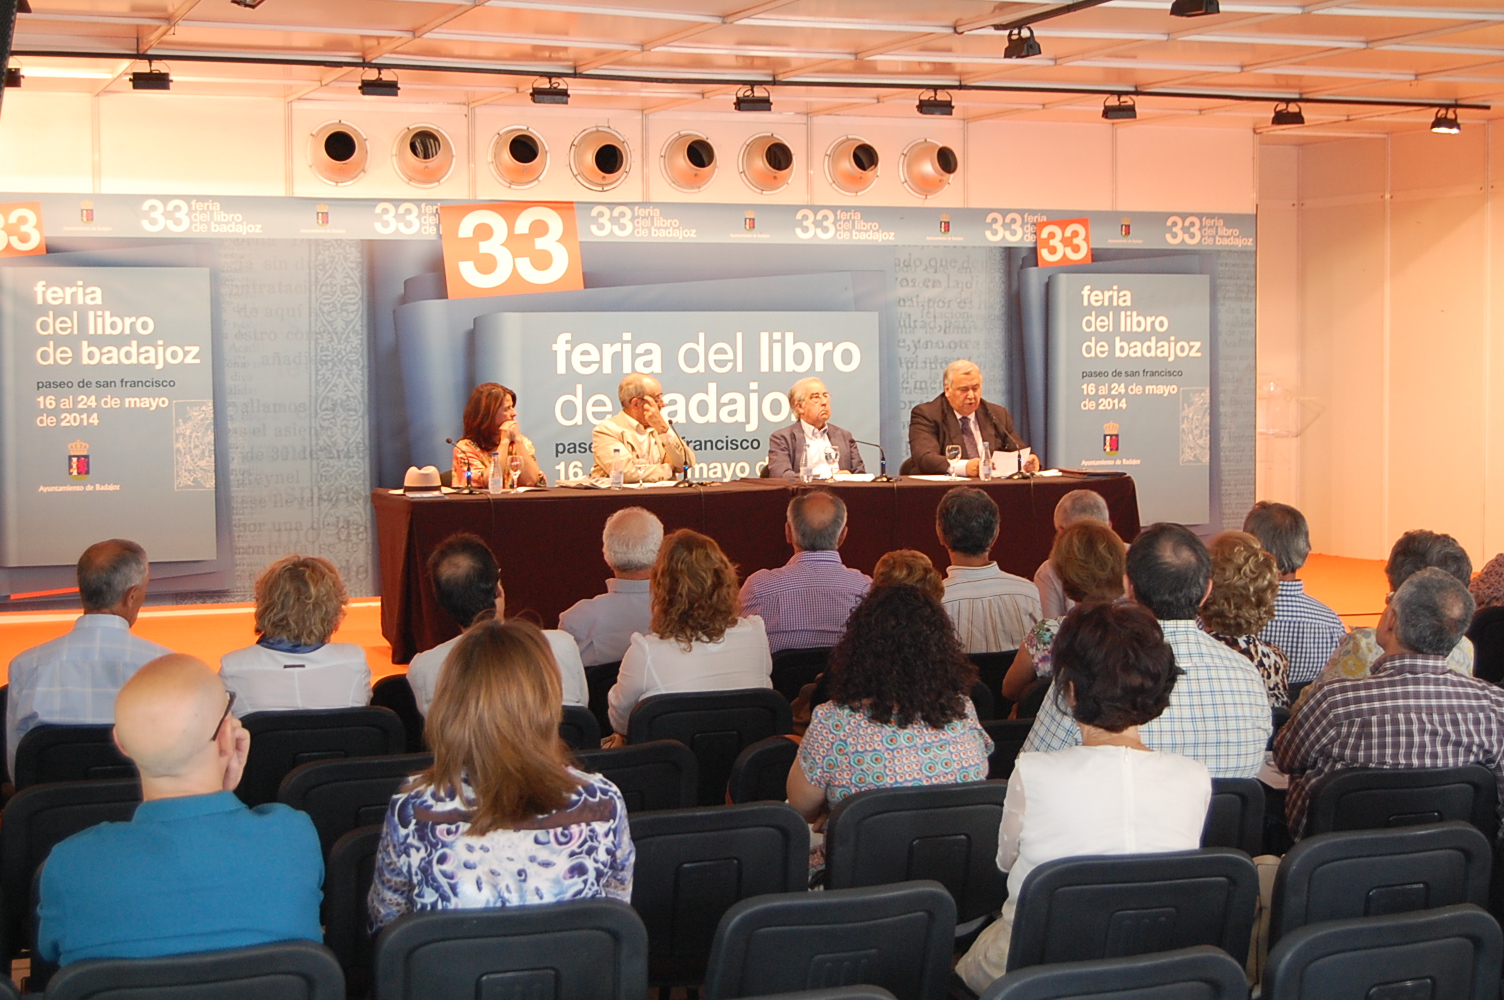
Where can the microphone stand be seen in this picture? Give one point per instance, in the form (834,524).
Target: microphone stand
(685,481)
(882,457)
(467,489)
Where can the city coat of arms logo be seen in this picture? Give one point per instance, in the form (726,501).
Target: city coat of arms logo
(1110,438)
(78,460)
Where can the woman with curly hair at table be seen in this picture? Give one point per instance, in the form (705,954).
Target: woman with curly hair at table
(491,426)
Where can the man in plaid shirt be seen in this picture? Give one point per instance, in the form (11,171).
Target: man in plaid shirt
(1304,628)
(1410,711)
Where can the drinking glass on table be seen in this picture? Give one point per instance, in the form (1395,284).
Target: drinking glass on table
(640,467)
(831,458)
(514,466)
(952,453)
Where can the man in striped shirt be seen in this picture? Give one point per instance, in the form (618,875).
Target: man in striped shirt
(1411,711)
(993,610)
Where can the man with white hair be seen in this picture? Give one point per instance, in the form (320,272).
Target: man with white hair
(959,416)
(804,442)
(603,625)
(195,869)
(640,431)
(1073,508)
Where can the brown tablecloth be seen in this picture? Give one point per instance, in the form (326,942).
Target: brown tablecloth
(548,542)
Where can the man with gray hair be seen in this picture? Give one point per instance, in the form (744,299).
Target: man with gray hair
(804,603)
(993,610)
(1307,630)
(1411,711)
(72,680)
(959,416)
(640,432)
(603,625)
(1073,508)
(803,444)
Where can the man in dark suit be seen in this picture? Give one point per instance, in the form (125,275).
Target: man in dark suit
(809,400)
(939,423)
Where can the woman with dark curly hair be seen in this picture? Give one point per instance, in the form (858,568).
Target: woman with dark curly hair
(1245,582)
(899,713)
(698,643)
(1111,794)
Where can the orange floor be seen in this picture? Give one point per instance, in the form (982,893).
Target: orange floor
(1354,588)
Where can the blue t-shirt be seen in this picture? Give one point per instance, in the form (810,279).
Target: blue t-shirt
(198,873)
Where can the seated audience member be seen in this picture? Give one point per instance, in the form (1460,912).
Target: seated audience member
(468,586)
(803,444)
(1110,795)
(1088,560)
(698,643)
(72,680)
(993,610)
(1412,710)
(1487,630)
(491,428)
(195,869)
(501,819)
(300,601)
(911,567)
(1218,713)
(1302,627)
(602,626)
(1245,580)
(899,710)
(1074,507)
(805,602)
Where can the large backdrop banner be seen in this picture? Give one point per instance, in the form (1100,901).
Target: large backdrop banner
(226,378)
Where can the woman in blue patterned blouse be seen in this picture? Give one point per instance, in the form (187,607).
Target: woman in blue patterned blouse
(500,819)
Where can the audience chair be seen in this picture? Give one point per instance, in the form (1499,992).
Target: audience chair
(946,833)
(1294,690)
(396,694)
(794,668)
(347,880)
(1451,953)
(287,970)
(761,772)
(659,775)
(1377,798)
(715,725)
(982,701)
(836,993)
(1199,973)
(991,669)
(341,795)
(693,864)
(1078,909)
(1374,873)
(1008,736)
(578,729)
(280,741)
(599,680)
(4,746)
(8,990)
(1033,698)
(36,820)
(1486,632)
(589,949)
(70,753)
(898,937)
(1235,817)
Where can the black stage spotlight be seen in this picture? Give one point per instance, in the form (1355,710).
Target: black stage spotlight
(1446,122)
(1021,44)
(1286,113)
(934,104)
(751,100)
(13,76)
(1195,8)
(251,4)
(1119,108)
(379,86)
(556,92)
(151,79)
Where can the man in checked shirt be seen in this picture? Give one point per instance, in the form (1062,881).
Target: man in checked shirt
(1411,711)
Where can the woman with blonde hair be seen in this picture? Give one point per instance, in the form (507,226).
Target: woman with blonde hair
(698,643)
(300,601)
(491,427)
(500,819)
(910,567)
(1245,582)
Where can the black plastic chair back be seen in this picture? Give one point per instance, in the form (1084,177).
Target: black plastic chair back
(991,669)
(70,753)
(344,795)
(1487,635)
(1379,798)
(659,775)
(898,937)
(1078,909)
(589,949)
(280,741)
(982,701)
(1375,873)
(8,990)
(838,992)
(347,880)
(599,680)
(761,772)
(1451,953)
(1199,973)
(287,970)
(4,742)
(1294,690)
(396,694)
(1008,736)
(1032,700)
(1235,817)
(794,668)
(693,864)
(715,725)
(36,820)
(578,728)
(945,833)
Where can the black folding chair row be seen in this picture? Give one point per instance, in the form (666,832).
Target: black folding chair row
(715,725)
(396,695)
(991,669)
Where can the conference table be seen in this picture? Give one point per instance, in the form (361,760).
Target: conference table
(548,542)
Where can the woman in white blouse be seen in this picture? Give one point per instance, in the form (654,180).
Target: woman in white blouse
(698,643)
(1112,794)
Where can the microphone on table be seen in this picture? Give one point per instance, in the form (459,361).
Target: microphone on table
(675,432)
(467,488)
(882,457)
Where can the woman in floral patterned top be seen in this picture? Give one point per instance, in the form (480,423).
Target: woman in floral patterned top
(500,819)
(1245,582)
(491,426)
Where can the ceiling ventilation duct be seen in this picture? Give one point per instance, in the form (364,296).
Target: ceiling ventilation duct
(851,165)
(519,157)
(689,161)
(423,155)
(599,158)
(338,153)
(767,163)
(927,167)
